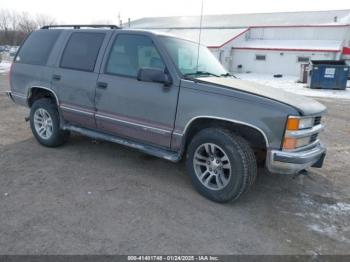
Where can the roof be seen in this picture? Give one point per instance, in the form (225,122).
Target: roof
(213,38)
(291,45)
(332,17)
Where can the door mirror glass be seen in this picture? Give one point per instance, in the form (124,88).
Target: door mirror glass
(154,75)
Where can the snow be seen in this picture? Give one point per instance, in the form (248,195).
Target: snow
(289,84)
(331,45)
(5,67)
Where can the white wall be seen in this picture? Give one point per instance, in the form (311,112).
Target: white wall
(276,62)
(298,33)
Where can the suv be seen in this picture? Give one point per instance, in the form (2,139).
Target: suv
(167,97)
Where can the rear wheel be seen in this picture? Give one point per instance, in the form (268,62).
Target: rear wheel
(221,164)
(45,123)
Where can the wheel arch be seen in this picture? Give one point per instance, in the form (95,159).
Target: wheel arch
(251,133)
(36,92)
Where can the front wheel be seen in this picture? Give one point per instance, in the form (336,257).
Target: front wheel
(221,164)
(45,123)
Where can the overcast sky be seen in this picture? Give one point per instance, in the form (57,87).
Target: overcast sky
(78,11)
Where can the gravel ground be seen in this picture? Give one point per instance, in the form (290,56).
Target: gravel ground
(92,197)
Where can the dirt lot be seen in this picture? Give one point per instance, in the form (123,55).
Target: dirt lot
(97,198)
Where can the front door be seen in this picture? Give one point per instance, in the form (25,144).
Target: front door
(126,107)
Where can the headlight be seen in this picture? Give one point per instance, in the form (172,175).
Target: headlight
(297,123)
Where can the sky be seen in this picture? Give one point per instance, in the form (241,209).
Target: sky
(78,11)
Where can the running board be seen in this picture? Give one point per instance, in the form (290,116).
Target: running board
(148,149)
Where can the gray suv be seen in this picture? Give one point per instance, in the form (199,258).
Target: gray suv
(167,97)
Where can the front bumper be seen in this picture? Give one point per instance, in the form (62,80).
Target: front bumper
(284,162)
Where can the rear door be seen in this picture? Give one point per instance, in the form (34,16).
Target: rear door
(127,107)
(76,75)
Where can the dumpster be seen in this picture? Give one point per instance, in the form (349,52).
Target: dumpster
(328,74)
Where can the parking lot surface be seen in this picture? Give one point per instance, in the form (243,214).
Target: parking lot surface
(91,197)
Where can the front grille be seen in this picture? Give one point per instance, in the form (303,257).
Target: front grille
(313,138)
(317,120)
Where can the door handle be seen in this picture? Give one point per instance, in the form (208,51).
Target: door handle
(102,85)
(56,77)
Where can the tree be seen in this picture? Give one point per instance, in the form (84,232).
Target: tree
(42,19)
(26,23)
(14,26)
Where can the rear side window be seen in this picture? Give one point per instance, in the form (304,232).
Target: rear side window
(37,48)
(81,51)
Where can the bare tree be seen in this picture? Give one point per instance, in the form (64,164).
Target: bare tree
(42,19)
(4,20)
(26,23)
(14,26)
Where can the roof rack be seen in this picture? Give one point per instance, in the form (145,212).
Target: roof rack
(80,26)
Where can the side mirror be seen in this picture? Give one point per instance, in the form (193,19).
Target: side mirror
(154,75)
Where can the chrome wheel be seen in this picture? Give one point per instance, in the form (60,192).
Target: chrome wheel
(212,166)
(43,123)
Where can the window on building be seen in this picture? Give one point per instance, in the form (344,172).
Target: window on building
(37,48)
(260,57)
(303,59)
(132,52)
(82,50)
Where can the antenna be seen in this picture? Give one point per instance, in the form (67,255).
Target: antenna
(200,34)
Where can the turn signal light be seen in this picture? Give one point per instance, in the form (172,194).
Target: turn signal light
(293,124)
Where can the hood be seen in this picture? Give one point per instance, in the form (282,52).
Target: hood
(305,105)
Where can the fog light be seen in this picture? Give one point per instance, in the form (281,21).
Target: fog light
(289,143)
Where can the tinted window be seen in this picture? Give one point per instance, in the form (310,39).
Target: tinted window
(81,51)
(37,48)
(129,53)
(302,59)
(260,57)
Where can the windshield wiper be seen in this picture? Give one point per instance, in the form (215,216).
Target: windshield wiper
(226,74)
(200,73)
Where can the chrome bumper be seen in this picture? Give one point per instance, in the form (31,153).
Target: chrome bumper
(284,162)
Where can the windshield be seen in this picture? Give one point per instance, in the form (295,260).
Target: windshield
(185,55)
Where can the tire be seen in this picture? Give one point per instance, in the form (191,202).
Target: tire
(42,109)
(234,175)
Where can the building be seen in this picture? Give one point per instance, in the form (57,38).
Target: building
(270,43)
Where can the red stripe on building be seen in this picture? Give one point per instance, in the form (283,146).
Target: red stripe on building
(228,41)
(346,50)
(287,49)
(288,26)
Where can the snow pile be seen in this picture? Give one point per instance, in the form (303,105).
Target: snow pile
(5,67)
(289,84)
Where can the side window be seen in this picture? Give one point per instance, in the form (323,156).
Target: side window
(260,57)
(303,59)
(81,51)
(37,48)
(129,53)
